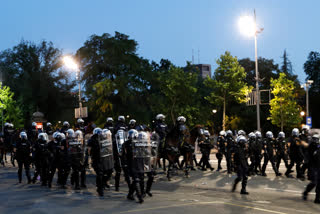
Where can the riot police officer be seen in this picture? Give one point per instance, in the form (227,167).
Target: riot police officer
(100,150)
(33,133)
(269,152)
(296,154)
(281,150)
(120,130)
(23,152)
(257,152)
(221,144)
(80,125)
(251,152)
(314,166)
(41,152)
(305,139)
(109,125)
(132,124)
(205,148)
(230,150)
(75,152)
(161,128)
(65,127)
(134,151)
(241,162)
(9,140)
(49,129)
(58,158)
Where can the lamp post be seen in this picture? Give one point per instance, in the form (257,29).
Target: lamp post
(248,26)
(71,64)
(307,85)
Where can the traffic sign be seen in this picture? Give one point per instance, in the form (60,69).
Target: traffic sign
(309,121)
(84,112)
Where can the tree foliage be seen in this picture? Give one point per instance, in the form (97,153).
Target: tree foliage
(285,112)
(33,72)
(228,83)
(11,110)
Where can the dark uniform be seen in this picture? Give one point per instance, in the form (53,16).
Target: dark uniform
(117,155)
(135,156)
(268,155)
(162,130)
(314,166)
(101,153)
(241,162)
(41,160)
(230,150)
(55,159)
(23,152)
(9,133)
(296,156)
(257,157)
(222,150)
(281,152)
(205,148)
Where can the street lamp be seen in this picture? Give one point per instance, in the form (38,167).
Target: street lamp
(302,113)
(214,111)
(307,85)
(248,27)
(70,63)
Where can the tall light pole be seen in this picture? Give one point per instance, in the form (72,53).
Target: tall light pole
(71,64)
(307,85)
(248,26)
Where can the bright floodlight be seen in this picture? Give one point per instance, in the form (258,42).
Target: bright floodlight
(70,63)
(302,113)
(247,26)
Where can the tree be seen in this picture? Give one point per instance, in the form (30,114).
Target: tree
(284,110)
(312,70)
(179,90)
(12,112)
(34,74)
(228,83)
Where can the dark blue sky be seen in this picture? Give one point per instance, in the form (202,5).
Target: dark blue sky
(169,28)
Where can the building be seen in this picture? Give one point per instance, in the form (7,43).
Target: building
(205,70)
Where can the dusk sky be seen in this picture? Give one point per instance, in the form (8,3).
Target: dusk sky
(169,29)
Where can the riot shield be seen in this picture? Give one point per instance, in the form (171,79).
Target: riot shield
(121,137)
(141,152)
(75,149)
(106,152)
(155,143)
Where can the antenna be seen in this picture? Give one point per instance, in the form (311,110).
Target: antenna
(192,56)
(198,56)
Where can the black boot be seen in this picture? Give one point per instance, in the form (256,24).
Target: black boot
(138,191)
(235,184)
(149,184)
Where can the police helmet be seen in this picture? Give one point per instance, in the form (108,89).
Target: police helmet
(121,118)
(6,124)
(78,134)
(258,134)
(241,133)
(34,124)
(43,136)
(10,125)
(281,135)
(229,133)
(269,134)
(160,117)
(97,131)
(295,132)
(70,133)
(315,138)
(132,122)
(66,124)
(241,139)
(222,133)
(49,124)
(80,121)
(54,135)
(106,133)
(181,119)
(109,120)
(23,135)
(252,135)
(206,133)
(133,134)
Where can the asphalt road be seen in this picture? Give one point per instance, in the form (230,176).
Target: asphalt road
(204,192)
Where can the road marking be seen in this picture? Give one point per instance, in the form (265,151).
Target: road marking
(203,203)
(286,190)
